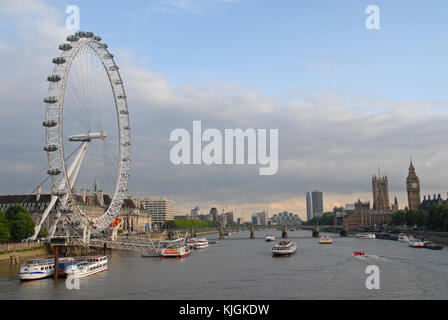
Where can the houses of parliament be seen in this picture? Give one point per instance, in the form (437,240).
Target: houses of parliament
(381,212)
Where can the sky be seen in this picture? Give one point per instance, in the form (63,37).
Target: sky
(345,99)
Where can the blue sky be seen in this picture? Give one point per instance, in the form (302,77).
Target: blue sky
(277,46)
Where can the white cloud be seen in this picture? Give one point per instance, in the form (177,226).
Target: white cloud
(332,140)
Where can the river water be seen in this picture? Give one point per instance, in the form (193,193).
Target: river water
(240,268)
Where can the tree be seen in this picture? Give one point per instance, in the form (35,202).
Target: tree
(4,228)
(21,225)
(42,234)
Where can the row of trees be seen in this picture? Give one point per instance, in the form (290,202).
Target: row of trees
(189,223)
(16,224)
(435,218)
(326,219)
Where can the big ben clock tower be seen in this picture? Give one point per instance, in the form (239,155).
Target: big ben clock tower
(413,188)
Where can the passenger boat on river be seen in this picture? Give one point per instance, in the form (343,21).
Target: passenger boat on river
(87,266)
(284,248)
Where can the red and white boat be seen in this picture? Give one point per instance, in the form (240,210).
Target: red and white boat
(359,253)
(175,249)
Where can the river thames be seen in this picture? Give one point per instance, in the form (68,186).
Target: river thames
(240,268)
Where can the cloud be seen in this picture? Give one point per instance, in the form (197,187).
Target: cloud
(332,139)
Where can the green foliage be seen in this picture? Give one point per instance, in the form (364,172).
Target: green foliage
(13,211)
(4,228)
(188,224)
(326,219)
(436,218)
(42,234)
(21,225)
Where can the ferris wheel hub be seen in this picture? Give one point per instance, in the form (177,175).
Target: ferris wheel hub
(87,137)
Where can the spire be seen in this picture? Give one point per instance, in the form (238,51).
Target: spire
(411,166)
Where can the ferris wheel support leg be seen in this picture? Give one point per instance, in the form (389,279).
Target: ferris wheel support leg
(44,216)
(72,173)
(86,234)
(114,233)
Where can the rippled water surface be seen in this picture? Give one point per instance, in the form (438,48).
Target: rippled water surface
(241,268)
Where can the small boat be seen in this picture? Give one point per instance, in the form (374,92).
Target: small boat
(284,248)
(403,238)
(63,265)
(416,243)
(270,237)
(325,240)
(34,269)
(368,235)
(358,253)
(431,245)
(201,243)
(87,266)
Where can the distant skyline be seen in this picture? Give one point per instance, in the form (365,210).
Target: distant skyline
(344,99)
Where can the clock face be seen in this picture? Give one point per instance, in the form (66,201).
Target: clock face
(414,185)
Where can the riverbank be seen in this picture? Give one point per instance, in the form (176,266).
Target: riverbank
(436,236)
(13,253)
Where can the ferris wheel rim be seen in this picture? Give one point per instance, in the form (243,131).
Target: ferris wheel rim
(54,134)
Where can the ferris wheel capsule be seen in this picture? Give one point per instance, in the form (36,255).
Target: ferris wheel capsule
(51,99)
(72,38)
(65,47)
(49,123)
(54,78)
(59,60)
(51,147)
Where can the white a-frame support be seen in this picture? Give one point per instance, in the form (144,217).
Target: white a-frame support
(72,173)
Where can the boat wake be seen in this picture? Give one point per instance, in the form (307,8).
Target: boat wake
(369,256)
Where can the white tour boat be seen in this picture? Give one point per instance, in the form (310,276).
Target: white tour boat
(201,243)
(34,269)
(325,240)
(88,266)
(270,237)
(284,248)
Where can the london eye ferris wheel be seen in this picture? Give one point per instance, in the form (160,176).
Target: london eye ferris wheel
(87,132)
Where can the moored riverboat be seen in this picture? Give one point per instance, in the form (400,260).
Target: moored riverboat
(63,265)
(431,245)
(175,249)
(367,235)
(34,269)
(87,266)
